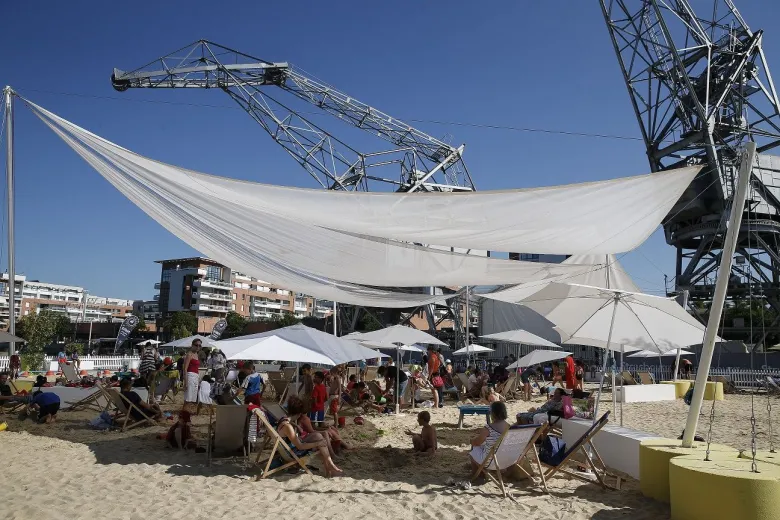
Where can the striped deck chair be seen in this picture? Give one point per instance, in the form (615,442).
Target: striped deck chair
(585,448)
(510,449)
(279,447)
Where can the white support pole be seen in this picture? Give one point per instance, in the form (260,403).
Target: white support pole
(676,365)
(9,165)
(335,310)
(718,299)
(466,329)
(604,364)
(622,352)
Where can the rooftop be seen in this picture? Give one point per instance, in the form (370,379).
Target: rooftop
(200,259)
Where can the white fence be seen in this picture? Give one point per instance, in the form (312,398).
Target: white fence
(741,377)
(88,362)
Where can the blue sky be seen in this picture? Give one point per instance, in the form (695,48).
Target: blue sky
(518,63)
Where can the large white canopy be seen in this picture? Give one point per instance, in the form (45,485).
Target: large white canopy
(205,341)
(400,334)
(471,349)
(336,350)
(538,356)
(324,250)
(651,354)
(522,337)
(276,349)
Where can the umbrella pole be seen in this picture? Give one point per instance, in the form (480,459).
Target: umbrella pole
(398,384)
(622,351)
(676,365)
(604,365)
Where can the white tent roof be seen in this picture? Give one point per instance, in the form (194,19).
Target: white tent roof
(521,336)
(187,342)
(471,349)
(149,342)
(651,354)
(400,334)
(538,356)
(337,350)
(275,348)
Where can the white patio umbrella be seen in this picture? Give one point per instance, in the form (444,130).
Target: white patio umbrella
(471,349)
(522,337)
(275,348)
(187,342)
(149,342)
(651,354)
(538,356)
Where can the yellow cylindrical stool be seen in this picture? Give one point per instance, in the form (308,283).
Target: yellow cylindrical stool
(681,387)
(654,457)
(723,488)
(713,391)
(764,456)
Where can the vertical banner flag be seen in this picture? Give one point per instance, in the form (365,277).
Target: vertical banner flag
(219,328)
(130,323)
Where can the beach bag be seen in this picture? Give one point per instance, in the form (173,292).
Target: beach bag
(552,450)
(568,407)
(437,381)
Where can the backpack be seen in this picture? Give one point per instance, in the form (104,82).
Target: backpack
(552,450)
(568,407)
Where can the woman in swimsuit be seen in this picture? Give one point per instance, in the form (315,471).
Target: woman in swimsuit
(487,436)
(302,445)
(295,409)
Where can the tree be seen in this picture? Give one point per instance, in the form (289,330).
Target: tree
(38,330)
(181,324)
(369,323)
(279,321)
(62,325)
(141,322)
(78,348)
(235,324)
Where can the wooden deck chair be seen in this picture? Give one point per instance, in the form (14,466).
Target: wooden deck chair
(508,388)
(353,371)
(275,376)
(164,389)
(646,378)
(464,381)
(123,411)
(69,371)
(279,386)
(628,379)
(289,373)
(371,373)
(510,449)
(583,446)
(21,386)
(228,431)
(274,411)
(290,390)
(95,401)
(728,385)
(458,382)
(12,406)
(375,389)
(279,447)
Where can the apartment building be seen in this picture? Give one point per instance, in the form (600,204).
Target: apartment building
(209,290)
(32,296)
(149,309)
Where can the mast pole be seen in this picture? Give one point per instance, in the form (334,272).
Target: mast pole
(9,161)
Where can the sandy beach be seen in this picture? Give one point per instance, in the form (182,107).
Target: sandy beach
(67,470)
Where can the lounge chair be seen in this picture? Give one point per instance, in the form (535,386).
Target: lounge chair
(273,376)
(583,446)
(510,449)
(278,447)
(274,412)
(69,371)
(164,389)
(22,386)
(353,371)
(628,379)
(289,373)
(728,384)
(228,431)
(375,389)
(290,390)
(95,401)
(123,411)
(7,406)
(646,378)
(371,373)
(507,390)
(279,386)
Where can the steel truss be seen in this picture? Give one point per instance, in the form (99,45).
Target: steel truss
(422,162)
(700,87)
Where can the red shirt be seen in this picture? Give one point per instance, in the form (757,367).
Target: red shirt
(318,397)
(194,365)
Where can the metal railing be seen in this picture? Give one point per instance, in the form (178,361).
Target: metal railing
(95,362)
(741,377)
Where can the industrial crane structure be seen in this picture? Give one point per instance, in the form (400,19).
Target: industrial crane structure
(701,88)
(270,93)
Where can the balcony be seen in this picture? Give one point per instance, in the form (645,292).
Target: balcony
(223,297)
(268,305)
(205,282)
(157,286)
(210,308)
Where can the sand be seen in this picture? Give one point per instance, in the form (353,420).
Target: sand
(67,470)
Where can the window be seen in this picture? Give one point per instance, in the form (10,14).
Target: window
(214,272)
(243,297)
(233,306)
(166,275)
(242,308)
(234,297)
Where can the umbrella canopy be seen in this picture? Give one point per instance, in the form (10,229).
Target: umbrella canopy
(471,349)
(538,356)
(187,342)
(615,317)
(337,350)
(521,336)
(276,348)
(401,334)
(5,337)
(149,342)
(651,354)
(386,346)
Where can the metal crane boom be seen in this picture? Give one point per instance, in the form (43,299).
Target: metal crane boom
(426,163)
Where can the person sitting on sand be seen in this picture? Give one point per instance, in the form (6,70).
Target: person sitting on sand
(425,441)
(295,408)
(491,395)
(477,384)
(301,447)
(5,388)
(180,434)
(486,437)
(360,396)
(147,411)
(539,415)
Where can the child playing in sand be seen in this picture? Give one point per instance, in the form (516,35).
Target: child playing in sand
(319,395)
(425,441)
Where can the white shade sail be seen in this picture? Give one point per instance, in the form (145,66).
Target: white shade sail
(538,356)
(401,334)
(276,349)
(651,354)
(205,341)
(149,342)
(522,337)
(337,350)
(336,242)
(471,349)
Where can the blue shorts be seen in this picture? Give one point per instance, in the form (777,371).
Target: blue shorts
(317,416)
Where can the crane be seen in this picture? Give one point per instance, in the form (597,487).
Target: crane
(426,163)
(700,87)
(421,162)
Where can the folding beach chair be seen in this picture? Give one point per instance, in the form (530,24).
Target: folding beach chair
(645,378)
(289,373)
(583,446)
(728,384)
(12,406)
(508,388)
(272,376)
(464,381)
(69,371)
(228,431)
(290,390)
(375,389)
(279,386)
(371,373)
(628,379)
(279,447)
(274,412)
(96,401)
(353,371)
(164,389)
(123,411)
(510,449)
